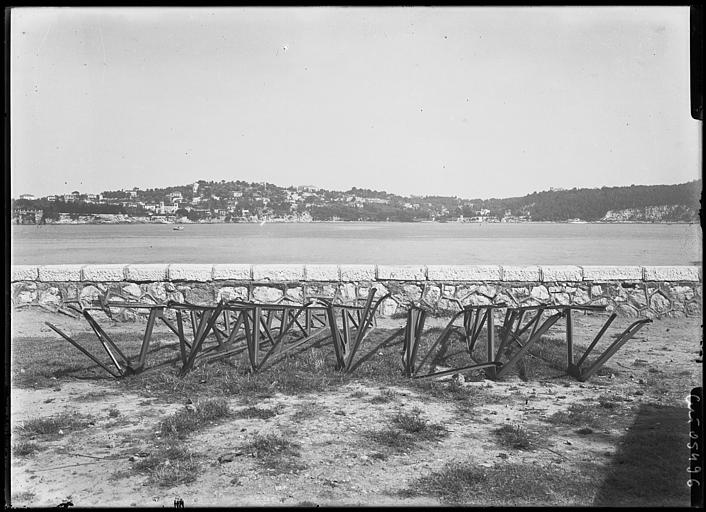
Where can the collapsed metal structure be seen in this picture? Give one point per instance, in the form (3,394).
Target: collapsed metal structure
(521,328)
(269,331)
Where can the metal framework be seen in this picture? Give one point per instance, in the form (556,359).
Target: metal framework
(356,323)
(123,365)
(523,326)
(267,332)
(474,318)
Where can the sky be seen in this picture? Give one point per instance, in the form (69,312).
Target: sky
(469,102)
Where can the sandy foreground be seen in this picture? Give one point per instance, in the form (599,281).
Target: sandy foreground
(647,382)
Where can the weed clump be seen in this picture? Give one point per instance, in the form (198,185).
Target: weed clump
(407,431)
(55,425)
(256,412)
(275,453)
(579,415)
(24,448)
(514,436)
(171,465)
(467,483)
(195,417)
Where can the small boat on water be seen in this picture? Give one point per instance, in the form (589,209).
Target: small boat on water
(178,228)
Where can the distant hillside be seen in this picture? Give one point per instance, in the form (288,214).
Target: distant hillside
(593,204)
(239,201)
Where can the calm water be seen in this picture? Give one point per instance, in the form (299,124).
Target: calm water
(382,243)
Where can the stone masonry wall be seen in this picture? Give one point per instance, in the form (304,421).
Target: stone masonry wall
(631,291)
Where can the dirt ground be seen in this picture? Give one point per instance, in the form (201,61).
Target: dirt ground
(642,391)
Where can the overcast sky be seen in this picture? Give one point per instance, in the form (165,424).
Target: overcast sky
(473,102)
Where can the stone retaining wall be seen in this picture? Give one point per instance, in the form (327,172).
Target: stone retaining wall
(654,291)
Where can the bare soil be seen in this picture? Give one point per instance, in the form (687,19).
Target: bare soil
(636,406)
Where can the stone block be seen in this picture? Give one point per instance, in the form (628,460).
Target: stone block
(638,298)
(539,293)
(59,273)
(146,272)
(671,273)
(612,273)
(278,273)
(50,297)
(357,272)
(401,272)
(190,272)
(487,290)
(90,294)
(295,294)
(156,290)
(266,294)
(682,293)
(24,273)
(529,273)
(24,293)
(463,272)
(465,291)
(321,272)
(132,290)
(659,303)
(202,295)
(552,273)
(233,272)
(505,298)
(561,298)
(232,293)
(104,273)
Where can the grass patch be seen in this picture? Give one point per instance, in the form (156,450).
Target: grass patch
(306,411)
(463,397)
(578,415)
(385,396)
(506,484)
(196,417)
(113,413)
(55,425)
(256,412)
(514,436)
(275,453)
(23,496)
(407,431)
(170,466)
(24,448)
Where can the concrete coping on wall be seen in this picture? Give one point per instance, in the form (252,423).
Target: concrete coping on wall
(265,273)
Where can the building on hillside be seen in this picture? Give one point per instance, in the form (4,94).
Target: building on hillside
(28,197)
